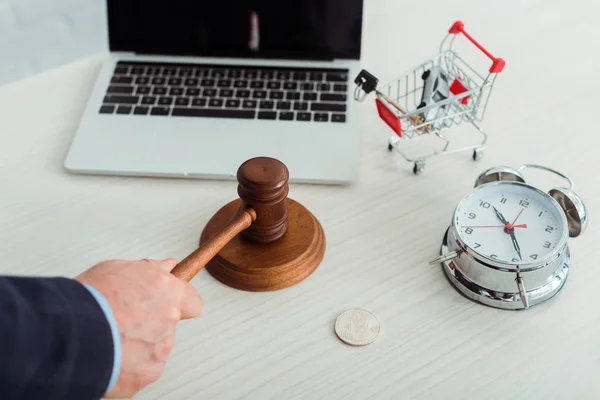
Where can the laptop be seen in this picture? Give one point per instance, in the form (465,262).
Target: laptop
(194,88)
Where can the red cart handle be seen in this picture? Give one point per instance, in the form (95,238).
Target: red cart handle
(497,63)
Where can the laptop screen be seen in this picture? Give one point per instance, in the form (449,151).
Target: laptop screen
(299,29)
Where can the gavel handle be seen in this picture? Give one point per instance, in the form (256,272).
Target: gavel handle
(192,264)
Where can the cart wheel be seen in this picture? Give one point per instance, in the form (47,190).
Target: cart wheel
(477,154)
(390,147)
(418,168)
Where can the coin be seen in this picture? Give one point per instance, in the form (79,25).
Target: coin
(357,327)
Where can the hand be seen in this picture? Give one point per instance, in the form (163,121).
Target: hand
(515,244)
(500,217)
(147,302)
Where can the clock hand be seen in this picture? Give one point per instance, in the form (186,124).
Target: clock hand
(516,244)
(518,216)
(500,216)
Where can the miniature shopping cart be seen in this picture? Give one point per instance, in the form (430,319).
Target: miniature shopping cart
(441,93)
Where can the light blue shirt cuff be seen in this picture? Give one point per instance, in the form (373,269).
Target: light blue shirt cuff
(115,334)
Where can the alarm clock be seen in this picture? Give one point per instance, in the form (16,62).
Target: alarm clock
(506,246)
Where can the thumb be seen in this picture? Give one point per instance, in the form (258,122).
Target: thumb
(166,265)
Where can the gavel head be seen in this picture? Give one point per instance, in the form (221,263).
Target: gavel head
(263,187)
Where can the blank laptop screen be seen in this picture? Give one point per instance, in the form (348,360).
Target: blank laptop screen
(300,29)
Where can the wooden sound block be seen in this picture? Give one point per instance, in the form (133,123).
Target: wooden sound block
(259,267)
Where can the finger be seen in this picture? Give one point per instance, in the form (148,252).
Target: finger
(166,265)
(192,304)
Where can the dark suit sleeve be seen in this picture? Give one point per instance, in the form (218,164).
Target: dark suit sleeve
(55,341)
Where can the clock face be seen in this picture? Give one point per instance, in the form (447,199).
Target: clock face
(511,223)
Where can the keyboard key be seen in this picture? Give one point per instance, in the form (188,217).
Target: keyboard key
(273,85)
(250,74)
(240,84)
(198,102)
(215,103)
(316,76)
(267,104)
(321,117)
(176,92)
(120,89)
(165,101)
(336,77)
(276,95)
(267,115)
(290,86)
(107,109)
(232,103)
(333,97)
(174,81)
(284,105)
(159,90)
(149,100)
(122,80)
(292,96)
(338,118)
(242,94)
(209,92)
(141,110)
(185,72)
(137,70)
(267,75)
(217,73)
(225,83)
(160,111)
(328,107)
(310,96)
(286,115)
(113,99)
(207,82)
(226,93)
(143,90)
(324,87)
(158,81)
(143,80)
(299,76)
(168,71)
(340,87)
(191,82)
(283,75)
(121,70)
(301,106)
(257,84)
(259,94)
(124,110)
(303,116)
(192,92)
(199,112)
(182,101)
(151,71)
(234,73)
(308,86)
(249,104)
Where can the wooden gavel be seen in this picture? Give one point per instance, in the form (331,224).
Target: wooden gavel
(277,243)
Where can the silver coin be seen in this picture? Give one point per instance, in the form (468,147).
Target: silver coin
(357,327)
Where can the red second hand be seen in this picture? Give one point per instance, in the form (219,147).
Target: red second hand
(522,209)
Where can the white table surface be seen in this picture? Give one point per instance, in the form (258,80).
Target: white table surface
(380,232)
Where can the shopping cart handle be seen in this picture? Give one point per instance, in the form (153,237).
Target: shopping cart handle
(497,63)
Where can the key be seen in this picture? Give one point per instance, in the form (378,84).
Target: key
(198,102)
(302,116)
(160,111)
(121,99)
(328,107)
(107,109)
(320,117)
(338,118)
(206,112)
(267,115)
(333,97)
(120,89)
(122,80)
(141,110)
(286,115)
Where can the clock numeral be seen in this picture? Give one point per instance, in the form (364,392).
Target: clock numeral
(503,201)
(547,245)
(493,256)
(534,256)
(468,231)
(524,203)
(472,215)
(549,229)
(477,245)
(540,214)
(515,260)
(484,204)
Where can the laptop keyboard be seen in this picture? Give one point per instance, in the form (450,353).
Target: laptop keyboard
(204,91)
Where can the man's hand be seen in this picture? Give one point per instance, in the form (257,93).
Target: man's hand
(147,302)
